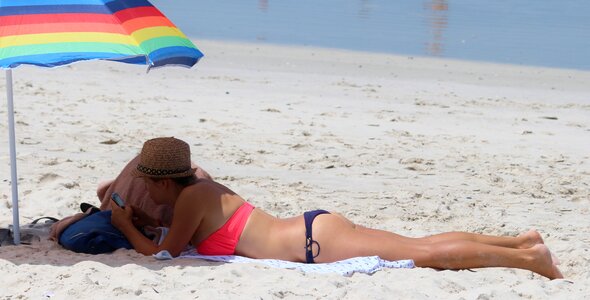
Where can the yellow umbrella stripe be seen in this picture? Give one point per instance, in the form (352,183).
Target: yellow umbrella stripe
(66,37)
(145,34)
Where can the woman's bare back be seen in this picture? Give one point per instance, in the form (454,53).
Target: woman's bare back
(266,236)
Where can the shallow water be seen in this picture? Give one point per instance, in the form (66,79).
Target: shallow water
(553,33)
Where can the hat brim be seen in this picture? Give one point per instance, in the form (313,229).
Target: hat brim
(190,172)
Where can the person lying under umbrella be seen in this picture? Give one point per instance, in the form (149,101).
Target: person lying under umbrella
(217,221)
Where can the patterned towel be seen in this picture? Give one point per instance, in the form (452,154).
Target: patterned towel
(367,264)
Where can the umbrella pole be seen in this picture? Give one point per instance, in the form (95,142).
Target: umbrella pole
(14,179)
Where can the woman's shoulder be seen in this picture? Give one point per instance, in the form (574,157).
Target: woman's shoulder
(202,189)
(210,186)
(195,196)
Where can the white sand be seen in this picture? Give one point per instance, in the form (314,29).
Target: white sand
(411,145)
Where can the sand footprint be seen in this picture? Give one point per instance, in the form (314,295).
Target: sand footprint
(48,177)
(417,164)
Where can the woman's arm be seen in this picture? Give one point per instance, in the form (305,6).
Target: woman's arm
(122,219)
(188,214)
(187,217)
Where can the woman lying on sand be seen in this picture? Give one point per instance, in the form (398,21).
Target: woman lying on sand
(217,221)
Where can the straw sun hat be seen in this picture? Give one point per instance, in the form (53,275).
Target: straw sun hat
(165,157)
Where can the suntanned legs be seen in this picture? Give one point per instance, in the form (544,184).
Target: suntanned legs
(455,250)
(524,240)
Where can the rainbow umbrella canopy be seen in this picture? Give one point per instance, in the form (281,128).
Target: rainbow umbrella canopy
(50,33)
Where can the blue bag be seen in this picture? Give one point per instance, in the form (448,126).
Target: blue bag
(94,235)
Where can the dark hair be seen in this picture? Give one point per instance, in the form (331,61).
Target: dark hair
(182,181)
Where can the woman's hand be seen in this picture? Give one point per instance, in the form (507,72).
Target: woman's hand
(121,217)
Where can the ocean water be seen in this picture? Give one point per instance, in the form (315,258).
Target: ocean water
(551,33)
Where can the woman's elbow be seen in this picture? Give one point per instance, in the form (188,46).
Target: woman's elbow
(147,252)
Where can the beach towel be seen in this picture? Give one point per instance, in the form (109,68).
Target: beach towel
(366,264)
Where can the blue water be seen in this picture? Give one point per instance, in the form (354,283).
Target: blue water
(551,33)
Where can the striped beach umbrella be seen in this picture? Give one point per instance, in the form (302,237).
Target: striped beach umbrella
(50,33)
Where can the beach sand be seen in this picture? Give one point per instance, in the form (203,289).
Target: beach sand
(412,145)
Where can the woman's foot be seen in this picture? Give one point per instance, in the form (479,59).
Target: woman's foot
(543,262)
(530,239)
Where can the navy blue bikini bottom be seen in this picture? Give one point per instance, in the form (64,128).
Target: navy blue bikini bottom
(309,242)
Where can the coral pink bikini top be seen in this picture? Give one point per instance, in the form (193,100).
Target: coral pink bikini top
(225,239)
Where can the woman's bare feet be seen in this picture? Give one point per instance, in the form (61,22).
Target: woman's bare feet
(543,262)
(532,238)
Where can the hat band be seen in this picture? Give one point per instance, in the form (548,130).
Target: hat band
(159,172)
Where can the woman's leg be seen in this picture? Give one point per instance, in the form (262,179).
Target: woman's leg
(458,254)
(523,241)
